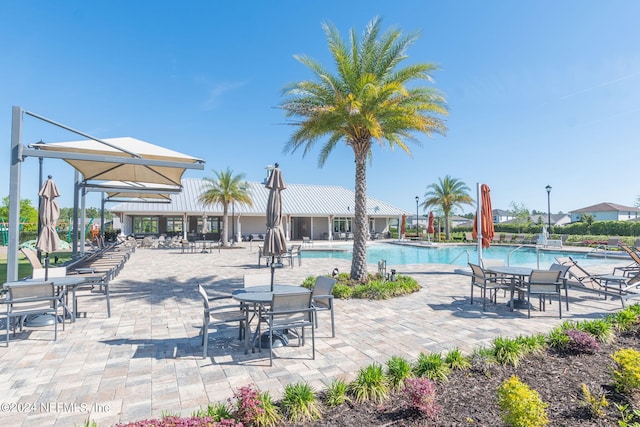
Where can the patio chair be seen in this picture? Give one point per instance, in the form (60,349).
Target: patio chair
(486,282)
(266,258)
(293,253)
(581,279)
(256,279)
(636,244)
(219,314)
(322,298)
(32,298)
(468,237)
(543,283)
(564,273)
(519,239)
(634,267)
(291,313)
(38,268)
(307,241)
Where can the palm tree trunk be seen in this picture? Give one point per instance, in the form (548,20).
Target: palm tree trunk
(225,226)
(447,233)
(359,260)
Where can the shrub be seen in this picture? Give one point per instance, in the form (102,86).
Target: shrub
(376,287)
(217,411)
(455,360)
(248,405)
(507,351)
(520,406)
(431,366)
(581,342)
(398,370)
(482,359)
(626,373)
(531,344)
(300,402)
(337,393)
(173,421)
(626,319)
(370,384)
(421,395)
(600,328)
(558,339)
(594,402)
(270,416)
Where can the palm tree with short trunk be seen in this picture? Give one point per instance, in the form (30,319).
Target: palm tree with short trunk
(370,98)
(447,194)
(225,189)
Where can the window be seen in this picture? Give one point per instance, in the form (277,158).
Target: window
(213,224)
(341,225)
(145,224)
(174,224)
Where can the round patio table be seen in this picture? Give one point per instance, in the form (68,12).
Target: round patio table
(259,296)
(515,273)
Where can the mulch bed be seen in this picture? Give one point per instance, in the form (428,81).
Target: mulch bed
(469,397)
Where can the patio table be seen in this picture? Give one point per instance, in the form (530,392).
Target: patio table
(515,273)
(260,296)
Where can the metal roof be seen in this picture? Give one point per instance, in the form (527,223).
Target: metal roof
(297,200)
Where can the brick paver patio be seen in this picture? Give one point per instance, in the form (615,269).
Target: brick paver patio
(146,358)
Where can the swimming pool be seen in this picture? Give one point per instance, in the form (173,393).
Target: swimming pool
(457,255)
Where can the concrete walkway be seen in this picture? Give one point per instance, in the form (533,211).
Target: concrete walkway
(146,358)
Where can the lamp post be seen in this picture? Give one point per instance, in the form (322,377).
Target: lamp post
(548,188)
(417,198)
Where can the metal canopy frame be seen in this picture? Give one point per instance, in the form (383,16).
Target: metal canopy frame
(19,153)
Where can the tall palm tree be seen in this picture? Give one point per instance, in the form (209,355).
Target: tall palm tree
(447,194)
(369,99)
(226,189)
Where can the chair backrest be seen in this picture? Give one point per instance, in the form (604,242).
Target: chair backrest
(563,269)
(544,281)
(478,272)
(295,307)
(613,241)
(637,244)
(19,293)
(490,262)
(32,256)
(632,253)
(323,286)
(205,296)
(39,273)
(256,279)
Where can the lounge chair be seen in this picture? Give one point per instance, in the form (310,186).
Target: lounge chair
(468,237)
(581,279)
(519,239)
(632,268)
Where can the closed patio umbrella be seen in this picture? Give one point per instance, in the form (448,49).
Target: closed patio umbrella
(430,229)
(48,240)
(483,222)
(275,243)
(403,226)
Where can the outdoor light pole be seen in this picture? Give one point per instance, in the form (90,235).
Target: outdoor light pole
(548,188)
(417,198)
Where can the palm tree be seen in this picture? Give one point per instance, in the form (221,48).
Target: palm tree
(227,188)
(447,194)
(367,101)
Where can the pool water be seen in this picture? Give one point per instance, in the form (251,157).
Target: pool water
(459,255)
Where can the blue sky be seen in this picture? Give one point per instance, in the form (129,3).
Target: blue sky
(540,92)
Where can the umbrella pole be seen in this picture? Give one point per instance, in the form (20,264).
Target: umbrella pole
(479,225)
(273,270)
(46,266)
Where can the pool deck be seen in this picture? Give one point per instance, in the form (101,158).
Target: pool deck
(146,358)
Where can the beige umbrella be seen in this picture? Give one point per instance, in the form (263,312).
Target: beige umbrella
(275,243)
(48,240)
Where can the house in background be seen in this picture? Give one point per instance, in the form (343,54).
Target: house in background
(316,211)
(556,219)
(606,212)
(500,215)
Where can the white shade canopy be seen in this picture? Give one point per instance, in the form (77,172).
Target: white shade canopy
(133,166)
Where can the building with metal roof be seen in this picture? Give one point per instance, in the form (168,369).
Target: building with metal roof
(315,211)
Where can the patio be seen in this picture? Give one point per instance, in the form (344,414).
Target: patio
(146,358)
